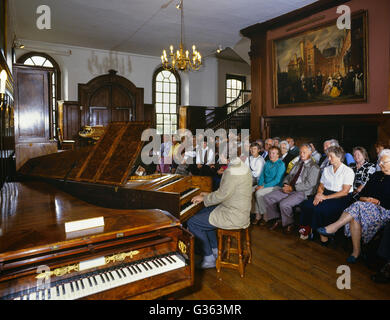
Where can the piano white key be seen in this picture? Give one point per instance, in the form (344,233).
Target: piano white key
(188,208)
(188,193)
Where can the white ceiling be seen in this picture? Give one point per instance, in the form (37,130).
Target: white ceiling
(146,26)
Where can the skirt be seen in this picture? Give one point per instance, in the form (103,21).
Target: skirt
(370,216)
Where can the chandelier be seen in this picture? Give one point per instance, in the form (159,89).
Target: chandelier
(181,60)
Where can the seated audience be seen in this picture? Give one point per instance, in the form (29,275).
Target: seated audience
(165,163)
(270,180)
(261,144)
(362,168)
(383,276)
(332,195)
(364,218)
(267,145)
(381,154)
(205,160)
(379,146)
(227,208)
(293,149)
(315,154)
(324,161)
(276,141)
(297,186)
(286,156)
(255,162)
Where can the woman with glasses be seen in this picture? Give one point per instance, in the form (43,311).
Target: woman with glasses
(364,218)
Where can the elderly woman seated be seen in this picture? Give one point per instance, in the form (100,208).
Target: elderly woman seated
(332,195)
(362,168)
(364,218)
(270,180)
(297,186)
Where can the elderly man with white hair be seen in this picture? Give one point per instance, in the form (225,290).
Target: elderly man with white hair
(300,183)
(380,155)
(227,208)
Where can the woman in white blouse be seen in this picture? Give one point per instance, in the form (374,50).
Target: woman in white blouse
(332,195)
(255,161)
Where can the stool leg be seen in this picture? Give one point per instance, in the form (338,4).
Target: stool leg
(218,263)
(228,247)
(240,260)
(248,245)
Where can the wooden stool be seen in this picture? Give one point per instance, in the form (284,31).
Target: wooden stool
(244,254)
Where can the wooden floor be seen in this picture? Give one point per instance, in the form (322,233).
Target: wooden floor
(286,267)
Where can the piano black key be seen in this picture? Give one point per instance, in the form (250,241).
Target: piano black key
(94,280)
(124,274)
(131,272)
(101,277)
(77,285)
(111,276)
(71,286)
(173,259)
(82,284)
(162,261)
(185,205)
(144,266)
(120,276)
(154,262)
(90,282)
(149,265)
(138,268)
(159,263)
(106,276)
(134,269)
(58,291)
(185,191)
(169,259)
(63,289)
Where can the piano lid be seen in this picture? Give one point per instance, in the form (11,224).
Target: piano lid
(110,161)
(33,215)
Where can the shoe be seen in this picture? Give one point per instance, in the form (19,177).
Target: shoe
(323,232)
(256,221)
(289,229)
(325,244)
(208,262)
(352,259)
(215,252)
(276,225)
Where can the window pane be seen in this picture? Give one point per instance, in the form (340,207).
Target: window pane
(166,108)
(159,77)
(173,87)
(166,97)
(228,83)
(239,85)
(48,64)
(174,119)
(173,108)
(173,98)
(29,62)
(159,97)
(159,107)
(234,84)
(166,73)
(228,93)
(159,118)
(159,129)
(166,86)
(159,86)
(39,61)
(167,118)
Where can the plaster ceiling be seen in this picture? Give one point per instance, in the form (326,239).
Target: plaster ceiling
(146,26)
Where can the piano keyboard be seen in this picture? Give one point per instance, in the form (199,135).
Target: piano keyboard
(187,192)
(187,206)
(97,281)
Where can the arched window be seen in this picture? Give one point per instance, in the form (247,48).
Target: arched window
(37,59)
(166,99)
(234,84)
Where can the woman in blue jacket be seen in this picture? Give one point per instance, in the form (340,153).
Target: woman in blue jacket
(271,179)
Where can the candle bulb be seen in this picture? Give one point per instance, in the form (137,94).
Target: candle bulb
(171,47)
(193,48)
(3,81)
(187,53)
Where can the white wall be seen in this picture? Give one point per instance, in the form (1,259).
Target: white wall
(205,87)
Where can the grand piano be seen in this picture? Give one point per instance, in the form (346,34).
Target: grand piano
(141,252)
(136,254)
(104,175)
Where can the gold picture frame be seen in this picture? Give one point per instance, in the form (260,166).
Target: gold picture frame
(322,66)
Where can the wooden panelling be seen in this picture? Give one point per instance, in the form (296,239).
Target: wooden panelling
(32,108)
(31,104)
(72,120)
(110,98)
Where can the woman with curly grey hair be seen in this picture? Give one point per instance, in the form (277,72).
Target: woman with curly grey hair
(332,195)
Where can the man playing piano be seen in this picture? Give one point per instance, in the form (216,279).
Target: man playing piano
(226,208)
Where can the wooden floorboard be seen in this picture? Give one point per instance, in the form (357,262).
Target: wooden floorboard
(285,267)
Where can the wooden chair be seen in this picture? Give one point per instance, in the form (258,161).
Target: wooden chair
(64,144)
(244,252)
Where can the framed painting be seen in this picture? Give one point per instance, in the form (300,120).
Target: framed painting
(324,65)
